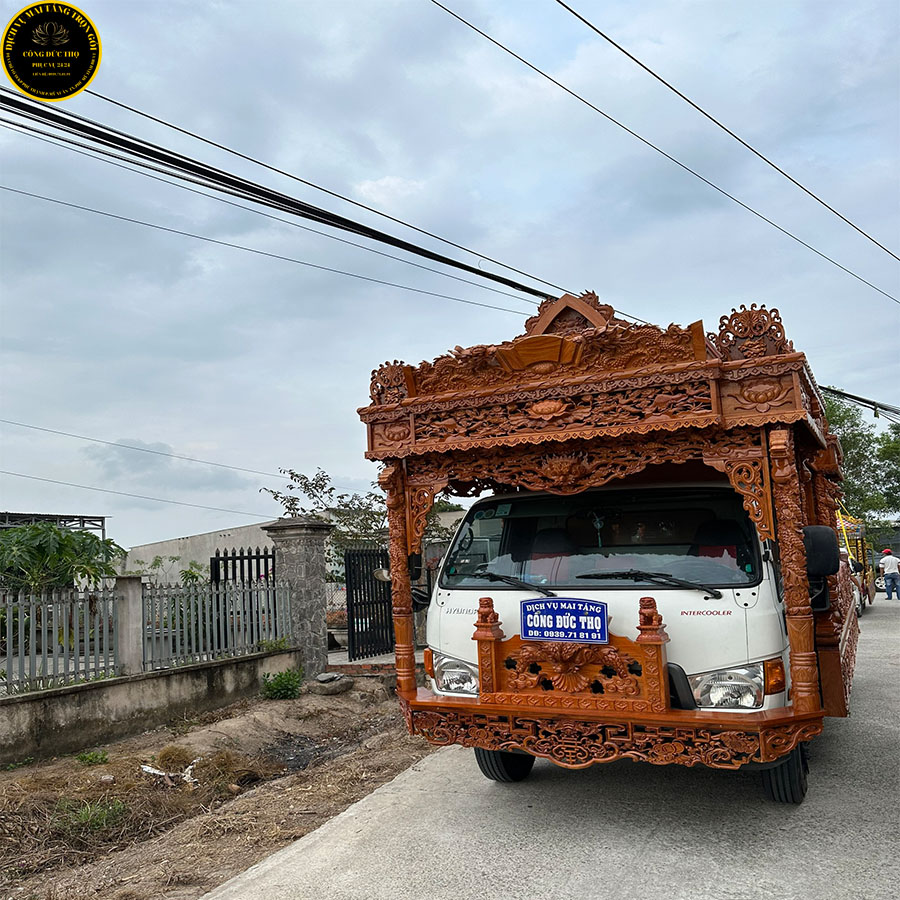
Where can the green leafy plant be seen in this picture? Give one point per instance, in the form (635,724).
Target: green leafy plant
(11,767)
(283,685)
(92,757)
(194,573)
(42,556)
(272,646)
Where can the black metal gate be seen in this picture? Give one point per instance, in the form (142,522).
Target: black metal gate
(242,565)
(370,625)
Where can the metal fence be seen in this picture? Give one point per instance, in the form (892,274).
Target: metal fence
(195,623)
(57,638)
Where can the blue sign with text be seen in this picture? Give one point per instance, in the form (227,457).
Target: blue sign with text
(565,619)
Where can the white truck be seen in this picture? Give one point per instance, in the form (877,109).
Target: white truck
(653,569)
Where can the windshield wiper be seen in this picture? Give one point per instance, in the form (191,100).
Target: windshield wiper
(515,582)
(658,577)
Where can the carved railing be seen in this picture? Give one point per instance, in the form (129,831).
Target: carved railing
(622,675)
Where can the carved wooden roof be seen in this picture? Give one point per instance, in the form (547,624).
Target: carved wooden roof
(578,372)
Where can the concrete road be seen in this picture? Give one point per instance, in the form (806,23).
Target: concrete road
(440,831)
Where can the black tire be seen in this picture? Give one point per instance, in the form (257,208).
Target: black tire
(786,782)
(498,765)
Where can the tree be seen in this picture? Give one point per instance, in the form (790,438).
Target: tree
(358,518)
(871,465)
(41,557)
(888,454)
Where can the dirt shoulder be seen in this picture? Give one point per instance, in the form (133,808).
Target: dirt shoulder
(269,773)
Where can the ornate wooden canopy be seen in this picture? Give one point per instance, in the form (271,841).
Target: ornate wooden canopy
(579,372)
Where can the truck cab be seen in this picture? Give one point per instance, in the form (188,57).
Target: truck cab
(692,545)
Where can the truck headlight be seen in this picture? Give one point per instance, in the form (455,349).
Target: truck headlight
(453,676)
(740,688)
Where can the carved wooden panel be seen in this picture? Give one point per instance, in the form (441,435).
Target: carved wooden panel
(576,744)
(836,635)
(623,675)
(751,334)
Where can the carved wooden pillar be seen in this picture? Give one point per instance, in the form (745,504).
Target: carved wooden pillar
(789,520)
(393,482)
(487,633)
(825,492)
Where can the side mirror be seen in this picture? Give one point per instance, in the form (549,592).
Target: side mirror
(823,555)
(415,566)
(420,599)
(856,566)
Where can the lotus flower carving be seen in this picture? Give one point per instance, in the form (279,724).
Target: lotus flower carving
(548,409)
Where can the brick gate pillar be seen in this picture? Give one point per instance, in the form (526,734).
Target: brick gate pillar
(300,561)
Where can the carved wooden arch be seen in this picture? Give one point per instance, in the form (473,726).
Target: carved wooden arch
(575,466)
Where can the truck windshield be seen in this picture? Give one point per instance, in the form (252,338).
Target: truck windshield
(702,535)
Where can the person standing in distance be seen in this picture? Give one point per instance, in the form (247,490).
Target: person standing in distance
(890,565)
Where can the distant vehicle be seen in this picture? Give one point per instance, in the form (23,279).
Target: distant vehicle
(863,566)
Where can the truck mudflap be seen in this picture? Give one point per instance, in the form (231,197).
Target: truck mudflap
(581,704)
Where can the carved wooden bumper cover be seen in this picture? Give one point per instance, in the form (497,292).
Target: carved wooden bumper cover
(618,692)
(578,743)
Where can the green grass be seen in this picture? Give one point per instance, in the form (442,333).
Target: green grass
(92,757)
(90,815)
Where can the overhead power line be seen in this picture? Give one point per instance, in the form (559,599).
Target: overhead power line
(725,128)
(662,152)
(82,437)
(89,487)
(316,187)
(120,446)
(889,411)
(179,165)
(290,259)
(108,157)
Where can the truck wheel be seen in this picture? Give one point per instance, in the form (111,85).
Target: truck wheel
(786,782)
(498,765)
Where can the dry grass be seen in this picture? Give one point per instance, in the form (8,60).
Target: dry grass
(109,832)
(45,824)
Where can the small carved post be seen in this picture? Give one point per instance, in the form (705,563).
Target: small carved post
(653,637)
(393,483)
(800,626)
(487,633)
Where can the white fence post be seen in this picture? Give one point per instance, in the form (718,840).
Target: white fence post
(131,627)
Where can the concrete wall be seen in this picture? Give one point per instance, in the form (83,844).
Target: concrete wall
(197,547)
(68,719)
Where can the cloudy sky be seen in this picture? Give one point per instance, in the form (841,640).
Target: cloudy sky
(133,336)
